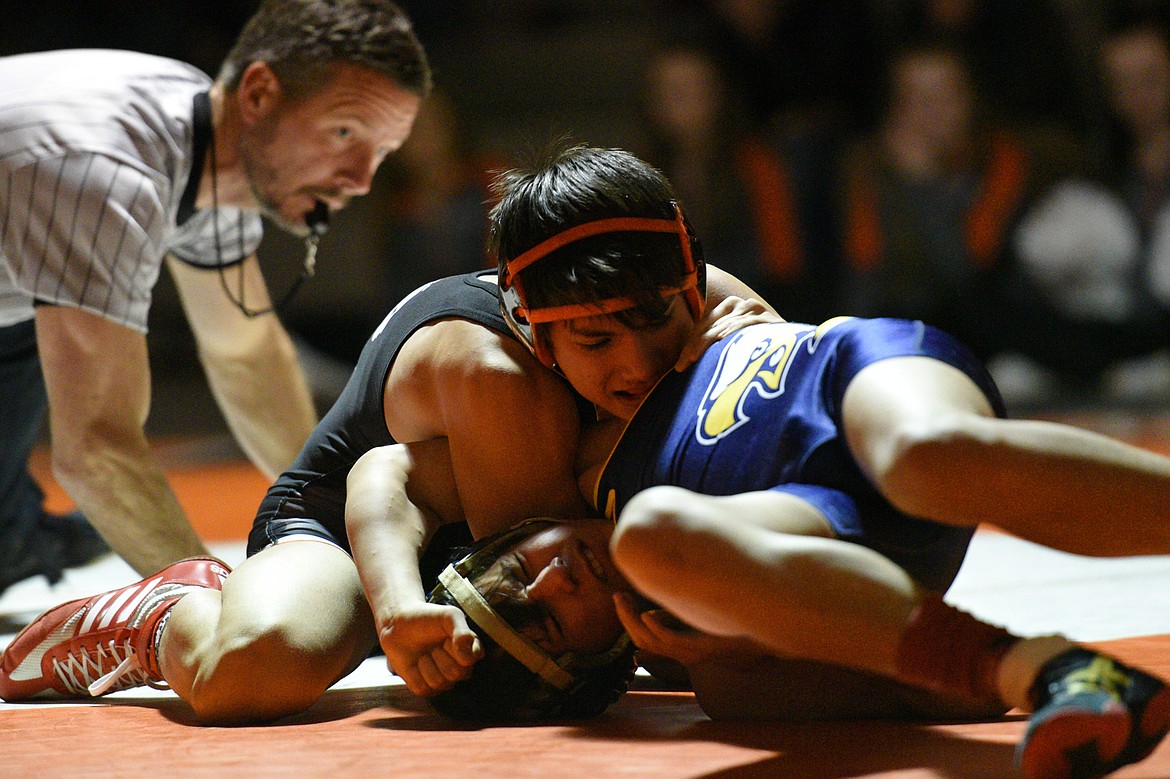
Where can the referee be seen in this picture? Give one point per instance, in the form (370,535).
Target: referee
(112,162)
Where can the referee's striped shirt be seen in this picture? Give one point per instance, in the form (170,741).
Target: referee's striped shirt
(95,154)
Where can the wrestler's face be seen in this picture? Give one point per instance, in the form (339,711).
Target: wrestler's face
(565,572)
(615,366)
(325,146)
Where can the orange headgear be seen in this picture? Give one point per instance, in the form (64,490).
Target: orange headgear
(523,320)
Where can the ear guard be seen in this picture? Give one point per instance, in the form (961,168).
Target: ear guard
(454,579)
(518,646)
(464,592)
(523,320)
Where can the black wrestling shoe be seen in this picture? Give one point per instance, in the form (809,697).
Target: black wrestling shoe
(58,542)
(1092,716)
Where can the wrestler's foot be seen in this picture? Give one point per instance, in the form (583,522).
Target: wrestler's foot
(1092,715)
(92,646)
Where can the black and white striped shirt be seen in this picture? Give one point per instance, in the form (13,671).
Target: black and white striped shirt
(95,154)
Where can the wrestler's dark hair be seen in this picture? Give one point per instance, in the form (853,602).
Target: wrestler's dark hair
(304,40)
(500,688)
(567,185)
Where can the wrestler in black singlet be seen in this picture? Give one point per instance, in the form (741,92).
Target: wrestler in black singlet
(309,498)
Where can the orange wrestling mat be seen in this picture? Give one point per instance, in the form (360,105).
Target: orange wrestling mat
(371,726)
(384,731)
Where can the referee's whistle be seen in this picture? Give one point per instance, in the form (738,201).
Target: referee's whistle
(317,221)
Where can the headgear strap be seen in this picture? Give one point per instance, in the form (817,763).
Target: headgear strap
(529,654)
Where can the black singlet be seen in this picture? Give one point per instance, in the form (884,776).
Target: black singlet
(309,498)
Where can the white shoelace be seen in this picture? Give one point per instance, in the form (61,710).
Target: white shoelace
(78,670)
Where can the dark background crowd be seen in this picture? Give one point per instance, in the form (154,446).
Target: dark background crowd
(999,168)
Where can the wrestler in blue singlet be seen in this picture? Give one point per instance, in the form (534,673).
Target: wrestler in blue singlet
(761,410)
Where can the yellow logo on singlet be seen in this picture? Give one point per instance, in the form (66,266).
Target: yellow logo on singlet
(756,358)
(611,506)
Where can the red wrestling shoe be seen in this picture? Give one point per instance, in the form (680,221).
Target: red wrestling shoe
(92,646)
(1093,716)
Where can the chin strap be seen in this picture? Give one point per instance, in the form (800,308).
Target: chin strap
(529,654)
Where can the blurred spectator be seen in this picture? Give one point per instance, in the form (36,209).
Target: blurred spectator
(805,66)
(1100,252)
(930,202)
(1136,59)
(1074,306)
(742,194)
(1108,258)
(436,202)
(1029,59)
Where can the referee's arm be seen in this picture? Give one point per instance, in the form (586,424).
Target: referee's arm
(251,364)
(97,376)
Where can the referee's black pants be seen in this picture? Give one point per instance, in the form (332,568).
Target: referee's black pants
(22,411)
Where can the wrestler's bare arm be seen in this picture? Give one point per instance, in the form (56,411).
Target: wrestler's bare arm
(396,496)
(511,424)
(495,439)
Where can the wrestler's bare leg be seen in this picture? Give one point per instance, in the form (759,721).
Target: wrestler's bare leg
(762,565)
(728,566)
(925,435)
(290,621)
